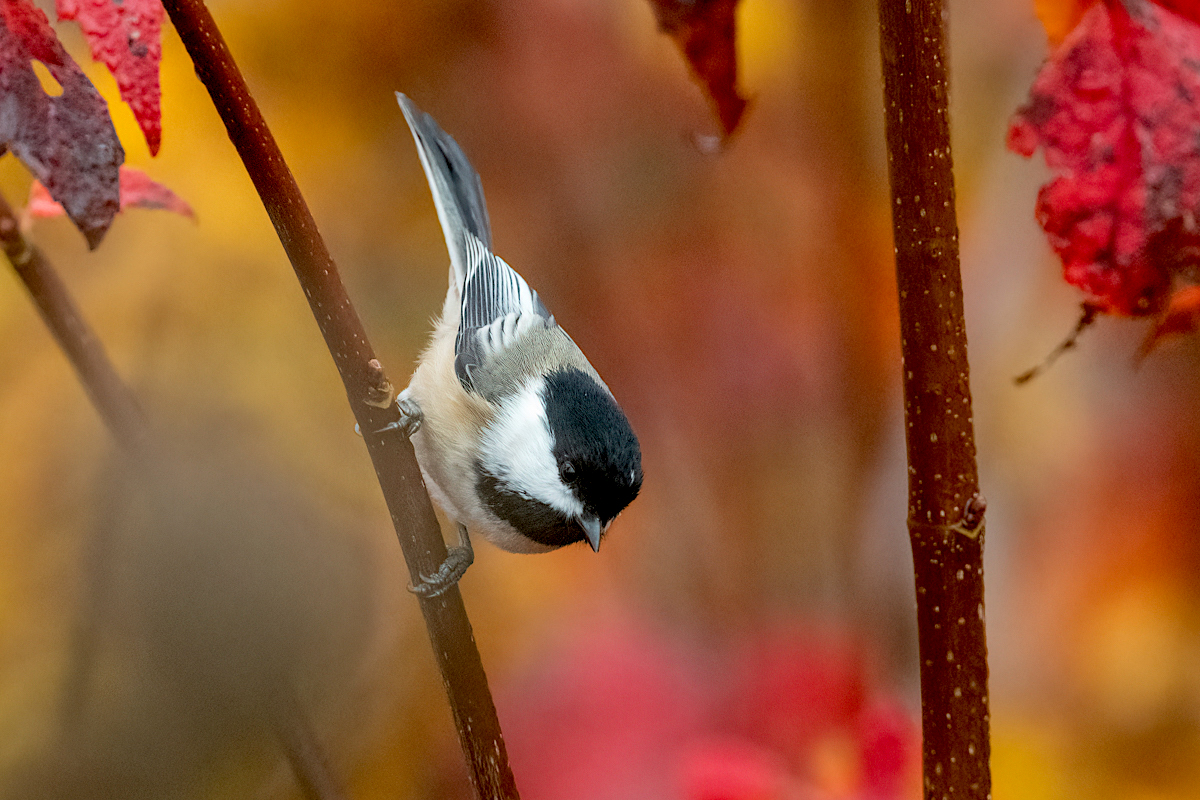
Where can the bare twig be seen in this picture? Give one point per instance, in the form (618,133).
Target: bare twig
(1086,318)
(109,394)
(309,761)
(368,391)
(118,408)
(945,510)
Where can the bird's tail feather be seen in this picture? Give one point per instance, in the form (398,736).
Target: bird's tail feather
(457,191)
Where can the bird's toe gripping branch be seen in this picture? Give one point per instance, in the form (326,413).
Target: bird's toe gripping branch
(452,569)
(411,416)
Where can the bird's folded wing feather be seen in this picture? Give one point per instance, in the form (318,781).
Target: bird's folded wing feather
(498,307)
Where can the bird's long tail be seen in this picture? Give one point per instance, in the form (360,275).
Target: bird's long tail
(457,191)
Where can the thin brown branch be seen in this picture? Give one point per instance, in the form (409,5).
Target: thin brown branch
(1086,319)
(945,510)
(108,393)
(367,389)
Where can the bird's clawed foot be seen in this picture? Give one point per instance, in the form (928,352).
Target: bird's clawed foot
(411,416)
(452,569)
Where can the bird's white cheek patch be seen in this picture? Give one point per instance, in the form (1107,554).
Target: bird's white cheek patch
(518,448)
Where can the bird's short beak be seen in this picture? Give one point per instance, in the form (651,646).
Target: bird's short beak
(592,530)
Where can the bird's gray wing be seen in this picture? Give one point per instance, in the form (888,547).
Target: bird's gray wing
(498,308)
(457,191)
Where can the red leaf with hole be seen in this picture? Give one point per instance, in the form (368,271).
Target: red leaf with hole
(126,36)
(705,32)
(67,141)
(1116,110)
(137,191)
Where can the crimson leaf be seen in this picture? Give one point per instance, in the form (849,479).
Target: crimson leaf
(1116,110)
(126,35)
(705,32)
(67,141)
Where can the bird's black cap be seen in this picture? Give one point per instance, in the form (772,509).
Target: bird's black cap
(597,451)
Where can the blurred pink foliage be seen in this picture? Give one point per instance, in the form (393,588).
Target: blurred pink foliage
(782,713)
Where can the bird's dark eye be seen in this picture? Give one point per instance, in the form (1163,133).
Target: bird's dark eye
(567,470)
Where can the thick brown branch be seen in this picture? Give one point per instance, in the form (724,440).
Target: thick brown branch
(367,389)
(944,508)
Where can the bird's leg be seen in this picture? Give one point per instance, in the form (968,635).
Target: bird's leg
(456,563)
(411,416)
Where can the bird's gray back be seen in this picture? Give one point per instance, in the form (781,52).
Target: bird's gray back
(543,349)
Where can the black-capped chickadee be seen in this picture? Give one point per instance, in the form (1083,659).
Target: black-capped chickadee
(517,436)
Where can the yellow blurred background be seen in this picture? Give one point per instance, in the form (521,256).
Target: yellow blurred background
(741,307)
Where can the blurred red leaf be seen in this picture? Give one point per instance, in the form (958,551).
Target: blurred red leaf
(601,716)
(137,191)
(1184,8)
(705,31)
(67,141)
(890,743)
(732,769)
(795,686)
(126,36)
(41,205)
(618,710)
(1115,111)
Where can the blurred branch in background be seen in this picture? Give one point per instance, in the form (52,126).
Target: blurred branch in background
(945,510)
(108,393)
(858,284)
(120,410)
(208,650)
(368,391)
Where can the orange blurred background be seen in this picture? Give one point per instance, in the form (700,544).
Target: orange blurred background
(751,614)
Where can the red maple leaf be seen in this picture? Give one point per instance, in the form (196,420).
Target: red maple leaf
(67,141)
(138,190)
(705,32)
(1116,110)
(126,36)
